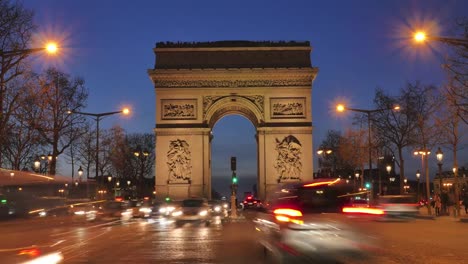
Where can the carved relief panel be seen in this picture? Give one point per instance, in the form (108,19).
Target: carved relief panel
(179,162)
(293,107)
(178,109)
(288,162)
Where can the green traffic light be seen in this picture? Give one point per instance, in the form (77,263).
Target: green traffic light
(168,199)
(3,201)
(234,180)
(368,185)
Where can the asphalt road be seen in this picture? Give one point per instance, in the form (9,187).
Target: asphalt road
(142,241)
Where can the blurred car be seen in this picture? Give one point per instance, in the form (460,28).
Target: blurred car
(251,202)
(145,209)
(219,208)
(115,210)
(399,206)
(33,254)
(194,210)
(86,212)
(304,223)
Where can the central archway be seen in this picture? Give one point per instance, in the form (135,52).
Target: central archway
(197,84)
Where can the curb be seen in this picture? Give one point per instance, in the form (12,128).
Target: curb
(464,220)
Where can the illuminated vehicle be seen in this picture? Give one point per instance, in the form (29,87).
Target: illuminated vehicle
(219,208)
(251,202)
(399,206)
(87,212)
(163,209)
(145,209)
(33,254)
(194,210)
(115,210)
(303,222)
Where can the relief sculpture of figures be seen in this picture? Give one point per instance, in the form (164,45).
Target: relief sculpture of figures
(179,161)
(288,109)
(174,110)
(288,162)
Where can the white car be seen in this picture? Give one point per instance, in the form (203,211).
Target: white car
(194,210)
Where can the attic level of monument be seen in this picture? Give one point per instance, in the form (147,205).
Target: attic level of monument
(232,54)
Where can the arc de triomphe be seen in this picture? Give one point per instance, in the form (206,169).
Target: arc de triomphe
(196,84)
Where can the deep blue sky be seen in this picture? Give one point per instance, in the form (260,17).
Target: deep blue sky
(358,46)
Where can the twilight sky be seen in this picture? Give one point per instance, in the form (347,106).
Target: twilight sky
(357,45)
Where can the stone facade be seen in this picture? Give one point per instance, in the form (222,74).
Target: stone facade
(191,96)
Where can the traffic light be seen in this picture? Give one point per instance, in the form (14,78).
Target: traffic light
(234,179)
(233,163)
(168,199)
(368,185)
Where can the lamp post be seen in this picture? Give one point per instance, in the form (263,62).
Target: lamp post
(357,178)
(41,163)
(424,165)
(440,158)
(418,174)
(389,169)
(456,192)
(98,117)
(342,108)
(323,152)
(406,186)
(141,155)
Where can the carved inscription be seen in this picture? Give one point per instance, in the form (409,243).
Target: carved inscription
(179,162)
(288,162)
(179,109)
(287,107)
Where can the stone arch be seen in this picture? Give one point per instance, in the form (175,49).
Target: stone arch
(196,84)
(233,105)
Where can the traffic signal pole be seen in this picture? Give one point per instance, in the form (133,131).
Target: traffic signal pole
(233,188)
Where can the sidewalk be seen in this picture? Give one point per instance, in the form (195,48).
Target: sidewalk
(423,214)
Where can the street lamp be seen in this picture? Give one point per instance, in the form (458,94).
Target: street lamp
(418,174)
(97,117)
(141,155)
(424,165)
(80,172)
(41,163)
(440,157)
(357,178)
(50,48)
(323,152)
(342,108)
(421,37)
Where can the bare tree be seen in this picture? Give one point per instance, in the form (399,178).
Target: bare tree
(21,140)
(448,122)
(85,150)
(16,27)
(353,151)
(58,95)
(457,67)
(393,128)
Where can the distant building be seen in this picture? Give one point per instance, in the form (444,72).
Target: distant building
(446,181)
